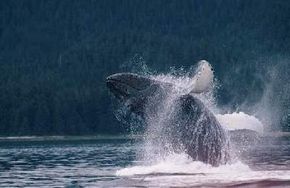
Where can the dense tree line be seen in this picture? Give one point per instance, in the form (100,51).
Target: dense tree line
(55,56)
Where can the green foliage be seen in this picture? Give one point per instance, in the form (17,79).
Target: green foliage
(55,55)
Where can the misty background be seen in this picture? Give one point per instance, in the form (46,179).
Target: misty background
(56,54)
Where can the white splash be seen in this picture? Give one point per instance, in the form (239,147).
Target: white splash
(240,120)
(181,164)
(202,81)
(196,174)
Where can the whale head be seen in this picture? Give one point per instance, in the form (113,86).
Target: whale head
(133,90)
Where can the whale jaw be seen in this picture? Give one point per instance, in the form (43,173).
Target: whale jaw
(132,90)
(127,85)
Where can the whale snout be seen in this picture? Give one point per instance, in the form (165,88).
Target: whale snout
(117,87)
(127,85)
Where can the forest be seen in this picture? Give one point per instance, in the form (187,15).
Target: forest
(56,54)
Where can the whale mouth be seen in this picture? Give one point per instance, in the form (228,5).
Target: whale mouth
(117,88)
(127,85)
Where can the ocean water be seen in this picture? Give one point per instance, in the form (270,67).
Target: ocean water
(114,163)
(143,161)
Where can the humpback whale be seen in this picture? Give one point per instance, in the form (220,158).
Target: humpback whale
(189,126)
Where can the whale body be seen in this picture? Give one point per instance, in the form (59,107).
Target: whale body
(189,127)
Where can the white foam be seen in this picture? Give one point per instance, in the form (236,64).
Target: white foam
(181,163)
(177,170)
(183,84)
(240,120)
(215,179)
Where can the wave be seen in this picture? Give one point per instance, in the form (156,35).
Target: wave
(181,164)
(240,120)
(178,170)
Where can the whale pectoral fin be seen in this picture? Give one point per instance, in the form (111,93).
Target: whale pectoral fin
(203,79)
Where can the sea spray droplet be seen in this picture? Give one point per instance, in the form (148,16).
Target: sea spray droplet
(240,120)
(176,119)
(181,164)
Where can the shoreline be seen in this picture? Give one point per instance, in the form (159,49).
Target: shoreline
(68,138)
(107,137)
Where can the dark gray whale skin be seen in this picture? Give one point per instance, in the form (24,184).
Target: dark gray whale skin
(192,127)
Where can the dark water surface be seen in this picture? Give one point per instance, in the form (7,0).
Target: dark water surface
(95,163)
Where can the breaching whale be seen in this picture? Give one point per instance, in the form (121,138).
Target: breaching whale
(190,127)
